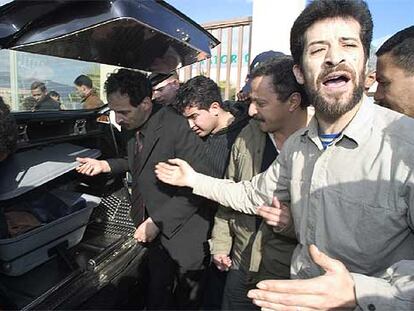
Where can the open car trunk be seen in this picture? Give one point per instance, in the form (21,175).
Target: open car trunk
(79,253)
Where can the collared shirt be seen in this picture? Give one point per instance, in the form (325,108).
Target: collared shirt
(354,201)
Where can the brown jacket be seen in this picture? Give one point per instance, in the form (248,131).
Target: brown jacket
(234,232)
(92,101)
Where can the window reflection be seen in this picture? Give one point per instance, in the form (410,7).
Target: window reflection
(19,71)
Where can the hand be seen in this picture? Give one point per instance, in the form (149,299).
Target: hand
(242,96)
(278,215)
(92,167)
(146,232)
(334,289)
(176,172)
(222,262)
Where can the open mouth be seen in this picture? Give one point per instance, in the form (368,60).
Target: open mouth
(336,79)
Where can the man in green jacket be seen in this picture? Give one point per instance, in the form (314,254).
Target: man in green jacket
(278,109)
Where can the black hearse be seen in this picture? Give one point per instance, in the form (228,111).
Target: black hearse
(82,255)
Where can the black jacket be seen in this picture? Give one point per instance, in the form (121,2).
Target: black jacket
(182,217)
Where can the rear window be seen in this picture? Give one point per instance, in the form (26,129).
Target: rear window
(20,70)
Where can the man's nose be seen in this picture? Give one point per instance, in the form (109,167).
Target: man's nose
(252,110)
(191,122)
(118,118)
(334,56)
(155,94)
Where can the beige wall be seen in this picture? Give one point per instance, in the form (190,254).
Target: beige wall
(272,20)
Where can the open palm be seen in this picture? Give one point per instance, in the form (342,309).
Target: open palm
(175,172)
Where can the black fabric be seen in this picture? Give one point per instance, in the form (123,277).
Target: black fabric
(218,148)
(235,292)
(269,155)
(218,145)
(47,103)
(137,200)
(170,287)
(182,218)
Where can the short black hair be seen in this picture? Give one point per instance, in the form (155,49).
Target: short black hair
(322,9)
(132,83)
(283,79)
(199,92)
(401,48)
(8,130)
(83,80)
(54,93)
(38,85)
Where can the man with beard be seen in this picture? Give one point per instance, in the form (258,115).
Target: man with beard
(395,72)
(348,178)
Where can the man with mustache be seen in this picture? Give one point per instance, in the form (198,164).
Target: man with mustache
(395,72)
(348,178)
(279,108)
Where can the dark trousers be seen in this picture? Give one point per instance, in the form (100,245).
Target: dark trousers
(213,293)
(171,287)
(235,291)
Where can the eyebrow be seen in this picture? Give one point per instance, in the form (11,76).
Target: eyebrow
(326,42)
(191,115)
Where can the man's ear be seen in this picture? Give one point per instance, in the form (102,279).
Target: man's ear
(215,108)
(297,71)
(294,101)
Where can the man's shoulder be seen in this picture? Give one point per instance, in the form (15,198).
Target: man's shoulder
(167,114)
(393,125)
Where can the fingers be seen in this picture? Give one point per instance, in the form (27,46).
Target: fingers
(271,306)
(276,202)
(273,216)
(87,169)
(82,160)
(309,286)
(222,262)
(324,261)
(282,301)
(139,236)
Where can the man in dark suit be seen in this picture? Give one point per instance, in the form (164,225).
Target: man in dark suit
(173,222)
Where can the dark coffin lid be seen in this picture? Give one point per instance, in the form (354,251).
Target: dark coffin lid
(32,168)
(142,34)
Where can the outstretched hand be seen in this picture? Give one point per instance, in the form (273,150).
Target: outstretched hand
(175,172)
(92,167)
(278,215)
(334,289)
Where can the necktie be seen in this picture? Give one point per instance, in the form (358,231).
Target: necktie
(137,201)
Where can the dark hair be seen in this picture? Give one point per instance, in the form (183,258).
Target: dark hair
(283,79)
(401,47)
(133,83)
(322,9)
(8,130)
(83,80)
(199,92)
(38,85)
(54,93)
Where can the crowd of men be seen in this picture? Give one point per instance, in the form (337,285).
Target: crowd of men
(316,210)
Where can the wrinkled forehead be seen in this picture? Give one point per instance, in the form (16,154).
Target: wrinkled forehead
(332,29)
